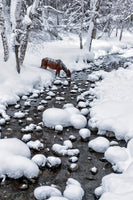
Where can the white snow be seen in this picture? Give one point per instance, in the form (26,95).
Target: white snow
(112,110)
(60,149)
(99,144)
(53,161)
(39,159)
(69,116)
(52,193)
(57,198)
(29,127)
(65,149)
(35,145)
(119,186)
(78,121)
(68,144)
(26,137)
(94,169)
(15,160)
(73,190)
(59,128)
(44,192)
(84,133)
(73,159)
(19,115)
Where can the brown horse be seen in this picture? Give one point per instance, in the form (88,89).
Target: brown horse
(56,65)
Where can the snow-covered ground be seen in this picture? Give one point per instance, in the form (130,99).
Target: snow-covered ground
(111,109)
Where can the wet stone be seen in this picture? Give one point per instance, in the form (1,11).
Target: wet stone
(24,186)
(110,134)
(72,138)
(73,167)
(91,177)
(9,131)
(29,120)
(93,170)
(73,159)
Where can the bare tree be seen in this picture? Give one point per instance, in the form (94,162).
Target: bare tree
(3,33)
(27,22)
(94,7)
(21,28)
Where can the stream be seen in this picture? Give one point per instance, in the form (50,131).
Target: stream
(22,189)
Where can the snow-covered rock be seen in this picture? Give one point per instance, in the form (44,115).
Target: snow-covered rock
(57,198)
(37,145)
(39,159)
(78,121)
(19,115)
(73,190)
(53,162)
(84,133)
(68,116)
(59,128)
(99,144)
(15,146)
(43,192)
(118,160)
(15,160)
(55,116)
(26,137)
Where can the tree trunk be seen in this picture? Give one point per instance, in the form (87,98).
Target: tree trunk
(17,58)
(23,47)
(3,34)
(5,46)
(81,26)
(80,39)
(24,43)
(121,33)
(89,38)
(92,26)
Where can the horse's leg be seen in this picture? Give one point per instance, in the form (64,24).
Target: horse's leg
(57,72)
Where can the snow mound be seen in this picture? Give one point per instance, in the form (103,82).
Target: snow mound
(58,198)
(84,133)
(68,116)
(99,144)
(15,146)
(119,186)
(39,159)
(78,121)
(53,162)
(65,149)
(112,108)
(119,159)
(44,192)
(73,190)
(14,160)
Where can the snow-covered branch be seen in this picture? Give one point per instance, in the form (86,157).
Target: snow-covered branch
(53,9)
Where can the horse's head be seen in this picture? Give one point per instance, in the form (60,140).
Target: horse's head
(68,73)
(43,63)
